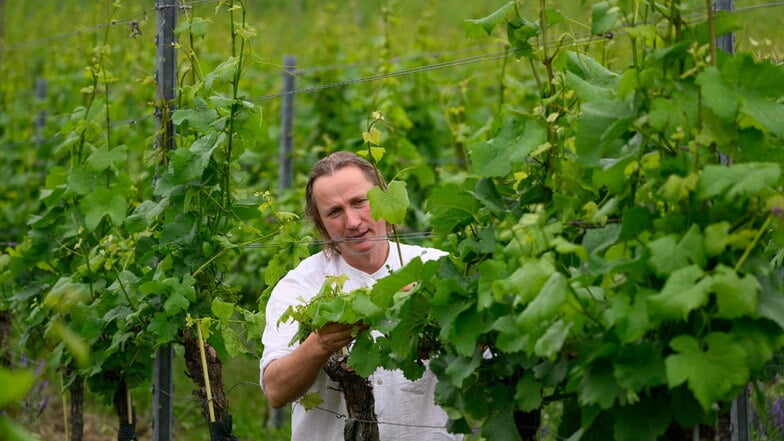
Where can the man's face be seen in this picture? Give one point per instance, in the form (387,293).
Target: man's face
(344,210)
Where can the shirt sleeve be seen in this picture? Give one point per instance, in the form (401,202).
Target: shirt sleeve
(277,336)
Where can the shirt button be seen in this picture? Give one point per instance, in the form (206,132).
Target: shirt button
(379,381)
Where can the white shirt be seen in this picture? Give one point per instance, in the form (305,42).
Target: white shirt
(408,407)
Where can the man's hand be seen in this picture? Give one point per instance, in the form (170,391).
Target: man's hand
(332,337)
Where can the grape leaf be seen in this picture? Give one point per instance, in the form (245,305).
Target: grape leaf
(639,366)
(451,208)
(603,18)
(15,386)
(528,393)
(198,118)
(475,28)
(598,385)
(683,292)
(651,413)
(310,400)
(390,205)
(669,254)
(544,306)
(736,297)
(103,158)
(516,140)
(738,181)
(711,374)
(500,426)
(223,311)
(553,339)
(719,97)
(163,327)
(103,202)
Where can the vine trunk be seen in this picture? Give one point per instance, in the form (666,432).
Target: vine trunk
(361,424)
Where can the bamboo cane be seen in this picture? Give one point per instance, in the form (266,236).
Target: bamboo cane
(205,372)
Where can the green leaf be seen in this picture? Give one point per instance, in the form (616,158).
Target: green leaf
(682,293)
(103,202)
(9,431)
(144,214)
(465,330)
(15,385)
(553,339)
(461,367)
(199,118)
(604,16)
(64,295)
(597,240)
(365,356)
(232,342)
(190,163)
(413,318)
(545,305)
(587,77)
(526,282)
(181,230)
(712,374)
(664,114)
(163,328)
(528,393)
(598,385)
(510,338)
(451,208)
(254,324)
(518,32)
(737,181)
(600,128)
(771,306)
(224,73)
(390,205)
(736,297)
(764,113)
(80,180)
(500,426)
(365,308)
(651,413)
(634,221)
(667,255)
(630,320)
(516,140)
(373,136)
(719,97)
(716,238)
(476,28)
(198,26)
(175,303)
(102,158)
(639,367)
(310,400)
(223,311)
(754,76)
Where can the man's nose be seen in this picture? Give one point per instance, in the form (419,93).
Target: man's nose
(353,219)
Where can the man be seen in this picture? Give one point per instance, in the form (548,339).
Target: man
(357,246)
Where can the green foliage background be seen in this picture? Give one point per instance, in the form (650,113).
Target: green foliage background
(599,248)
